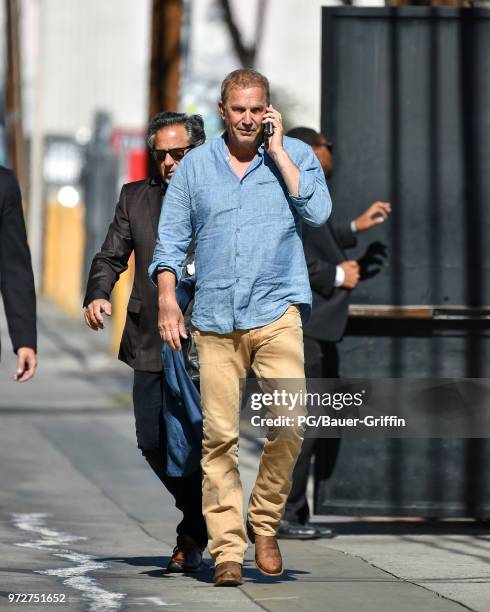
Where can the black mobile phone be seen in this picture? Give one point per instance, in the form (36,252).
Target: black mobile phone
(268,129)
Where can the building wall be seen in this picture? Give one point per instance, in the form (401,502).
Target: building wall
(94,55)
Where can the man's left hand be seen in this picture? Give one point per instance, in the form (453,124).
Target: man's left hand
(26,364)
(273,144)
(374,215)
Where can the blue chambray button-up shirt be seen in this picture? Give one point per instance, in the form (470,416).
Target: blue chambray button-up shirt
(249,259)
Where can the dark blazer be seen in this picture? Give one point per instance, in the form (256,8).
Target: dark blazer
(324,249)
(134,227)
(16,278)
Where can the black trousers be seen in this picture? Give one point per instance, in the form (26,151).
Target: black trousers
(152,441)
(321,361)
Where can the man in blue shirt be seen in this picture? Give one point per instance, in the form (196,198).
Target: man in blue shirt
(243,198)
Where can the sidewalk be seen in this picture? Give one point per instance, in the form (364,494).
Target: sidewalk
(75,369)
(82,514)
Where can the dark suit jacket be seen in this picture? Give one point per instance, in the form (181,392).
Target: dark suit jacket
(16,278)
(134,227)
(324,249)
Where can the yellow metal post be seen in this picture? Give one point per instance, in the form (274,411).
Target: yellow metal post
(63,256)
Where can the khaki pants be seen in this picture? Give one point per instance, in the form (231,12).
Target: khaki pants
(274,351)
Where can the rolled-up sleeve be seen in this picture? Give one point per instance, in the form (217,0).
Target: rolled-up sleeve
(313,201)
(174,227)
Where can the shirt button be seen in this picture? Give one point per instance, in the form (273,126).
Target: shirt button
(236,280)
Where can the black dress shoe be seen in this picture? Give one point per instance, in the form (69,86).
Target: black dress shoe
(323,530)
(291,530)
(186,557)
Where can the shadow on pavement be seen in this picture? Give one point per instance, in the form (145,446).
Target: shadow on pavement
(252,574)
(205,574)
(161,563)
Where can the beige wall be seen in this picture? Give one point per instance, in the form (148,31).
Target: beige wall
(95,55)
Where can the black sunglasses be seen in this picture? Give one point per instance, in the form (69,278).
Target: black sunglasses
(159,155)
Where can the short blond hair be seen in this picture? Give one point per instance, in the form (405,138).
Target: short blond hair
(243,78)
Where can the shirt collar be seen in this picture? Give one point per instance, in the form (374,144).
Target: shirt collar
(154,181)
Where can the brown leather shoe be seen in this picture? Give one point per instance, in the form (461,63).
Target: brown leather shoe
(187,556)
(267,555)
(228,573)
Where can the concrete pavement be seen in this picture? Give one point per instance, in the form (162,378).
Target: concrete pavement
(83,516)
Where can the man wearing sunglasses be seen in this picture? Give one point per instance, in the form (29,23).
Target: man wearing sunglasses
(134,228)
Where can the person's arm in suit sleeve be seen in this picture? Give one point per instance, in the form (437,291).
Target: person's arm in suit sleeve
(346,234)
(321,273)
(112,260)
(16,277)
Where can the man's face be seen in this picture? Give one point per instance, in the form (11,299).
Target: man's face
(242,114)
(322,151)
(172,138)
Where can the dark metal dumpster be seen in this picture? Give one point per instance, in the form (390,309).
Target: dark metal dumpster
(406,103)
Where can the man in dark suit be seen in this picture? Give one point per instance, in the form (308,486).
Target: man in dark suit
(332,277)
(16,278)
(170,137)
